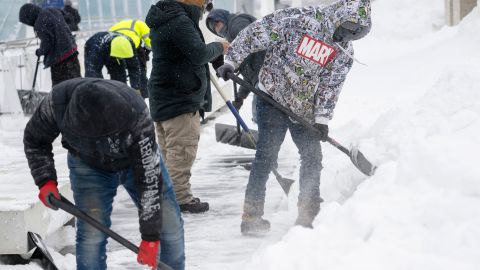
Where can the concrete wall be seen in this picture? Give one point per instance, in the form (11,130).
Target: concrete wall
(455,10)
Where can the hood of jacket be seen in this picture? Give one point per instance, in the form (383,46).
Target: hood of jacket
(216,15)
(97,107)
(164,11)
(357,11)
(28,14)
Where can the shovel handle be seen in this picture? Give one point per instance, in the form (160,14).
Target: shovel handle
(295,117)
(338,146)
(284,182)
(235,95)
(35,74)
(70,208)
(370,167)
(237,116)
(229,104)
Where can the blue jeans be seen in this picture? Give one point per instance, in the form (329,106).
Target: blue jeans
(93,192)
(272,127)
(254,108)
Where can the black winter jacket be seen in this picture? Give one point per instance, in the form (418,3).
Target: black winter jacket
(97,55)
(180,80)
(233,25)
(57,42)
(107,125)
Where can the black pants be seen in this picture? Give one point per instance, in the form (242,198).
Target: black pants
(116,68)
(143,57)
(65,70)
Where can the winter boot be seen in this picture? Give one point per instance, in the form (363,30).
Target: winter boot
(307,211)
(254,226)
(305,221)
(252,221)
(195,206)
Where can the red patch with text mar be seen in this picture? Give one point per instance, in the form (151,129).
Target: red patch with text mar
(316,50)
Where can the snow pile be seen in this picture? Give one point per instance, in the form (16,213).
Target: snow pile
(406,18)
(420,210)
(403,19)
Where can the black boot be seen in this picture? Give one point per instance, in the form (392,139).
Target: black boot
(257,226)
(195,206)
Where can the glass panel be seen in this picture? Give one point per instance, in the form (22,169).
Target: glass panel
(97,15)
(107,12)
(118,7)
(225,4)
(82,9)
(10,27)
(132,9)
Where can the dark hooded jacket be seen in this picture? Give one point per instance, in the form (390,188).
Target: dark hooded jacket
(108,126)
(233,24)
(180,81)
(57,42)
(72,17)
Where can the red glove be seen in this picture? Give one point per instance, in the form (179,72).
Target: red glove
(50,187)
(147,254)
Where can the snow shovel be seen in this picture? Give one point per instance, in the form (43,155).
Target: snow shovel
(229,134)
(285,183)
(235,95)
(30,99)
(357,158)
(69,207)
(41,252)
(232,135)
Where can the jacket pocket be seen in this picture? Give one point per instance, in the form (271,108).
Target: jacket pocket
(201,74)
(189,81)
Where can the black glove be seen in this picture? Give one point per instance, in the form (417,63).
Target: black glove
(217,62)
(38,52)
(142,54)
(237,103)
(322,131)
(147,54)
(223,70)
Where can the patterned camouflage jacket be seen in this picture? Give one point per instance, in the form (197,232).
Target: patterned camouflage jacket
(304,69)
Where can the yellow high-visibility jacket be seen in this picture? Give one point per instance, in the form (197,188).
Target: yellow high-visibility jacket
(136,30)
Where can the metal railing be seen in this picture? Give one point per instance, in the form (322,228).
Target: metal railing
(34,41)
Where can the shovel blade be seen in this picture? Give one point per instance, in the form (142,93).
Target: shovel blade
(361,162)
(30,100)
(41,252)
(228,134)
(286,184)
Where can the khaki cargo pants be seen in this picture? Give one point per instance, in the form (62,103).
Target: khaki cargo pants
(178,139)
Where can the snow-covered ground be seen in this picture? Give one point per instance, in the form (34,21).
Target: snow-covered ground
(414,111)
